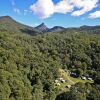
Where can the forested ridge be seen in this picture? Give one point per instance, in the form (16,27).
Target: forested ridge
(29,65)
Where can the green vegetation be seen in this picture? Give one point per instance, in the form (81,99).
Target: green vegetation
(29,65)
(9,25)
(68,81)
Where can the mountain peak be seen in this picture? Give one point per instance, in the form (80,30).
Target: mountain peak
(42,24)
(42,27)
(5,17)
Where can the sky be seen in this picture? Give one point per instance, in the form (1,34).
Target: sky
(67,13)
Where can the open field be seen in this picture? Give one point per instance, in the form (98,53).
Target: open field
(68,80)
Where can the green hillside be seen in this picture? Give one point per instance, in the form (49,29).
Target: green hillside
(10,25)
(29,65)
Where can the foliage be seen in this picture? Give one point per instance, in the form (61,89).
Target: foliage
(29,64)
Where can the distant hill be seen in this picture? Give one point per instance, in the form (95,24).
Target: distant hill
(85,29)
(56,29)
(90,29)
(10,25)
(42,27)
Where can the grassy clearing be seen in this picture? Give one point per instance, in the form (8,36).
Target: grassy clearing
(76,80)
(68,80)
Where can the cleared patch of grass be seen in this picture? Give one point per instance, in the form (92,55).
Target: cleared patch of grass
(68,81)
(76,80)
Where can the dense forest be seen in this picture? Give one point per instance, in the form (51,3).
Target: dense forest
(29,65)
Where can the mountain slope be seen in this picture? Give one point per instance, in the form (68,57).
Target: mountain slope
(10,25)
(85,29)
(42,27)
(30,65)
(90,29)
(56,29)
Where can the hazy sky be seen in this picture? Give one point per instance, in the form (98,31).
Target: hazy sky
(67,13)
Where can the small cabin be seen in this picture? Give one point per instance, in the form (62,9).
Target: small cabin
(83,78)
(56,81)
(60,79)
(68,86)
(73,74)
(57,84)
(63,81)
(90,79)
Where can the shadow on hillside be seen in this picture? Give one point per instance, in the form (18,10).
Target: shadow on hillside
(29,31)
(62,96)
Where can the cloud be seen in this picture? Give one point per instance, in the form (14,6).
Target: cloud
(25,12)
(63,7)
(95,15)
(16,10)
(46,8)
(83,6)
(43,8)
